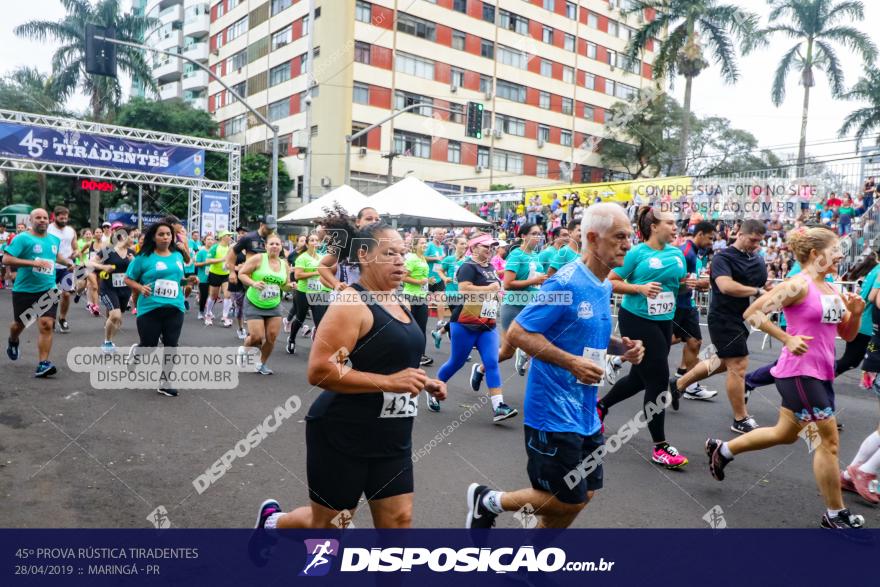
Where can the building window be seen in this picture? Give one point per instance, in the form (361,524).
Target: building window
(510,125)
(405,99)
(567,74)
(283,144)
(362,52)
(571,10)
(236,29)
(314,131)
(570,44)
(361,94)
(234,125)
(592,20)
(483,157)
(459,6)
(547,35)
(591,50)
(488,13)
(612,58)
(240,89)
(507,161)
(512,57)
(546,68)
(565,138)
(613,29)
(550,5)
(541,168)
(514,22)
(279,109)
(589,112)
(363,11)
(304,63)
(279,5)
(590,81)
(567,105)
(281,38)
(457,113)
(412,65)
(624,91)
(511,91)
(220,9)
(544,100)
(457,77)
(305,25)
(453,152)
(416,26)
(458,40)
(412,144)
(487,49)
(487,119)
(486,84)
(543,133)
(279,74)
(236,61)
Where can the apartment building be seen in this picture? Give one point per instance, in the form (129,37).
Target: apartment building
(546,72)
(182,27)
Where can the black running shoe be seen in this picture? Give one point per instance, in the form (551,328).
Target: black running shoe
(425,361)
(267,508)
(12,350)
(844,520)
(63,326)
(169,392)
(673,392)
(291,346)
(45,369)
(717,461)
(262,541)
(478,515)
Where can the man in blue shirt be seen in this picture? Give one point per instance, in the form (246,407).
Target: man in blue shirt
(567,330)
(34,295)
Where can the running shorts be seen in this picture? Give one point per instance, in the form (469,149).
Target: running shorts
(337,480)
(809,398)
(238,299)
(437,287)
(729,336)
(509,312)
(23,301)
(62,280)
(554,457)
(215,280)
(115,298)
(686,324)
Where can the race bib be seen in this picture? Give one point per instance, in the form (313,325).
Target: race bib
(314,284)
(489,309)
(50,270)
(271,291)
(663,303)
(598,357)
(533,270)
(117,279)
(425,287)
(166,288)
(399,405)
(832,309)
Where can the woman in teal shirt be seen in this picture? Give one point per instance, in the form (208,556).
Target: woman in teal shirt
(447,270)
(155,274)
(649,279)
(416,284)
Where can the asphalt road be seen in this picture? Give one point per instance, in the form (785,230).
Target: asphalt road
(75,456)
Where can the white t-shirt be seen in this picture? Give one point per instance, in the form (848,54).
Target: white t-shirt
(66,235)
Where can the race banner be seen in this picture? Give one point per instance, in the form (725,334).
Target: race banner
(70,147)
(215,212)
(642,190)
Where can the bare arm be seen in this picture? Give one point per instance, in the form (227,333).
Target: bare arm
(537,345)
(729,287)
(620,286)
(17,262)
(247,268)
(758,313)
(510,281)
(327,272)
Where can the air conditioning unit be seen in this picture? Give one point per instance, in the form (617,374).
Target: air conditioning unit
(488,94)
(215,52)
(362,152)
(453,87)
(325,182)
(611,65)
(498,133)
(478,169)
(540,143)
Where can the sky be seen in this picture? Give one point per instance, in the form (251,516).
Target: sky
(747,104)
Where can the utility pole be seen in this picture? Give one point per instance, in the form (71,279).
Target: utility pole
(391,157)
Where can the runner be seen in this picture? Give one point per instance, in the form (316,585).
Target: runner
(236,293)
(92,294)
(66,235)
(265,275)
(201,265)
(567,342)
(559,238)
(4,240)
(416,284)
(737,273)
(448,272)
(335,275)
(651,277)
(568,253)
(523,276)
(115,294)
(155,273)
(305,272)
(435,252)
(34,254)
(83,245)
(359,430)
(218,276)
(816,312)
(686,322)
(473,325)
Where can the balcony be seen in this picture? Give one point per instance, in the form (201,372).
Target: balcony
(168,70)
(196,21)
(168,39)
(195,80)
(198,103)
(170,91)
(171,14)
(197,51)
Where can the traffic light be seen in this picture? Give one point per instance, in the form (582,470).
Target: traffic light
(474,126)
(100,55)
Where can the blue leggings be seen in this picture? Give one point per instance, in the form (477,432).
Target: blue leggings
(463,340)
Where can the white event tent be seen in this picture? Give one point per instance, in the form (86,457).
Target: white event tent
(411,202)
(344,196)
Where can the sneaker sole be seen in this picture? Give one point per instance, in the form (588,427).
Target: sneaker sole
(670,467)
(686,395)
(738,431)
(472,489)
(497,419)
(50,371)
(165,393)
(260,511)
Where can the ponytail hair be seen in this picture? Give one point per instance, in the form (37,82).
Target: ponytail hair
(803,240)
(344,240)
(645,220)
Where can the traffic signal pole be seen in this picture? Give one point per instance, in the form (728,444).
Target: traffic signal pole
(235,94)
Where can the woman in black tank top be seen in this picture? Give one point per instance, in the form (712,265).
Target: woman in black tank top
(359,429)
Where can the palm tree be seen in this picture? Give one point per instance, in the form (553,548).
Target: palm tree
(68,62)
(816,25)
(863,120)
(683,27)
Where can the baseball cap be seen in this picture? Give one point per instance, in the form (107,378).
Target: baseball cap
(268,220)
(223,233)
(105,224)
(116,225)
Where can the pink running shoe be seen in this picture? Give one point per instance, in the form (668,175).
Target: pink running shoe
(667,456)
(863,482)
(846,484)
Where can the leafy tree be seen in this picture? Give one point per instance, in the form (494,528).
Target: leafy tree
(498,187)
(864,120)
(256,185)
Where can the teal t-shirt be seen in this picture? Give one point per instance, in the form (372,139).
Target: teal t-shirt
(565,256)
(163,274)
(546,256)
(870,282)
(450,266)
(644,264)
(433,250)
(524,265)
(30,247)
(202,271)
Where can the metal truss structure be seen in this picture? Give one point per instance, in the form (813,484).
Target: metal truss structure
(193,184)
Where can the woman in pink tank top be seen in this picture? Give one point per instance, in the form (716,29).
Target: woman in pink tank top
(816,313)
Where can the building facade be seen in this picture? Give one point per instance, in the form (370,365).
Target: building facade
(546,72)
(182,27)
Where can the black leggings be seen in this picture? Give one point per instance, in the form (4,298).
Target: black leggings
(419,308)
(203,296)
(298,311)
(652,374)
(852,354)
(165,322)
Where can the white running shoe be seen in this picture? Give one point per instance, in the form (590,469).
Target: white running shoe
(286,323)
(697,391)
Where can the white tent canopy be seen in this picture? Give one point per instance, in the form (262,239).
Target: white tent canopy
(411,202)
(344,196)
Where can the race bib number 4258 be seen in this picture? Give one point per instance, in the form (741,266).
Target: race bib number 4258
(399,405)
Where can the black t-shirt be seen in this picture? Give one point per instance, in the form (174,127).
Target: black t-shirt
(744,269)
(476,313)
(250,243)
(237,286)
(111,257)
